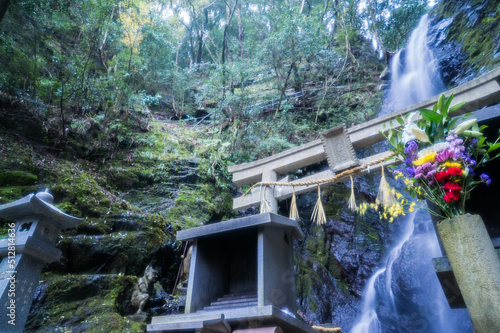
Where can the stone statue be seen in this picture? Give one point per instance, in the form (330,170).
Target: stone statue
(144,290)
(186,265)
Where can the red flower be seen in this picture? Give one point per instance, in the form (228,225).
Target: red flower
(454,171)
(452,192)
(442,176)
(452,197)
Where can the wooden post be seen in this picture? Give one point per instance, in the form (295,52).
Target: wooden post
(270,176)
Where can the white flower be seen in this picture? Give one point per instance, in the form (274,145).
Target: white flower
(411,131)
(437,147)
(465,125)
(473,133)
(420,134)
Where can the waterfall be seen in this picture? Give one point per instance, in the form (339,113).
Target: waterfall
(404,294)
(415,74)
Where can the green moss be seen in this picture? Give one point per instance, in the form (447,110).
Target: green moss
(467,32)
(124,179)
(97,226)
(17,177)
(199,205)
(84,303)
(69,208)
(81,190)
(11,193)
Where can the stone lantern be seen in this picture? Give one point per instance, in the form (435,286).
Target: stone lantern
(33,225)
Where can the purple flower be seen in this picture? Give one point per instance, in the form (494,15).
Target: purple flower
(431,173)
(410,171)
(451,136)
(411,147)
(473,143)
(444,155)
(485,179)
(471,171)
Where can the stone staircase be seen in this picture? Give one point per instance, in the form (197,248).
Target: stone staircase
(231,301)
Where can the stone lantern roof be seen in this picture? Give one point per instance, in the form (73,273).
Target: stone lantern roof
(41,204)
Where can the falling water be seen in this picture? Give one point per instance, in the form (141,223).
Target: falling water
(370,321)
(404,294)
(415,74)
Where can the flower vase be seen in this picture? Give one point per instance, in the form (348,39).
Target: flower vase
(476,267)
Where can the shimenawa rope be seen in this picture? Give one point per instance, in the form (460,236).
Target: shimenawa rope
(325,180)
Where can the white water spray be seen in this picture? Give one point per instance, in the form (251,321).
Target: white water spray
(415,74)
(405,292)
(369,321)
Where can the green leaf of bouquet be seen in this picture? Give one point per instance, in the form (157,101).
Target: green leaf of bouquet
(483,127)
(494,147)
(457,106)
(400,120)
(453,123)
(431,116)
(448,102)
(435,107)
(440,102)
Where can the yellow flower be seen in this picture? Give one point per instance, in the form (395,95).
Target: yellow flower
(452,165)
(431,157)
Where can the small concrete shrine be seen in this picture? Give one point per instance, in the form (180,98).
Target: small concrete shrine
(33,227)
(241,277)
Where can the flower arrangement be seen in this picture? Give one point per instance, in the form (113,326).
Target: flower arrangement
(440,158)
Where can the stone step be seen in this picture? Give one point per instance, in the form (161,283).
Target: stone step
(234,301)
(237,296)
(230,306)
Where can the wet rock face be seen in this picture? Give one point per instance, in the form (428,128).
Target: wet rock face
(334,261)
(465,37)
(449,54)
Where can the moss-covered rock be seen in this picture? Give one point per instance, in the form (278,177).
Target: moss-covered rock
(471,45)
(83,303)
(17,177)
(11,193)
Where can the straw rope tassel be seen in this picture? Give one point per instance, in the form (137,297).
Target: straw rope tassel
(385,195)
(264,206)
(352,199)
(318,214)
(294,213)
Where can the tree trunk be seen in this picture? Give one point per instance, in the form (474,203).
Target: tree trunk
(240,32)
(200,46)
(4,4)
(224,46)
(284,87)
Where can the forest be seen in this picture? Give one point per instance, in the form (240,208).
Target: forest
(130,111)
(82,63)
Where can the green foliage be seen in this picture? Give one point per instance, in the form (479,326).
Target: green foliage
(81,303)
(17,178)
(466,29)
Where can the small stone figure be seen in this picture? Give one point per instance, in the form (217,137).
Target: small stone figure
(186,265)
(144,290)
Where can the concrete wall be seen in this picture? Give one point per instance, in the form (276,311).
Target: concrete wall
(276,277)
